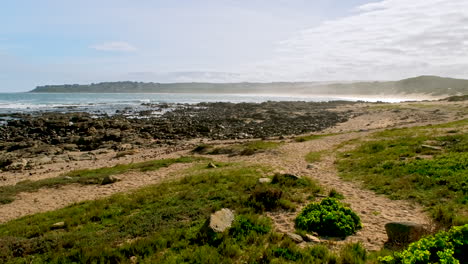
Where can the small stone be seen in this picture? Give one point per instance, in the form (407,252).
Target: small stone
(312,239)
(59,225)
(431,147)
(109,180)
(264,180)
(310,166)
(211,165)
(295,237)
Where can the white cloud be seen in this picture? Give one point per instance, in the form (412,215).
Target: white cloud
(114,46)
(389,39)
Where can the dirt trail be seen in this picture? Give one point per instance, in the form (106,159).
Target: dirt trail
(48,199)
(375,210)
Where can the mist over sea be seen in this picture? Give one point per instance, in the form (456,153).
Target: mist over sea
(109,103)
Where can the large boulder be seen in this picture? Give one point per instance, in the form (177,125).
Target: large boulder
(404,232)
(218,222)
(221,220)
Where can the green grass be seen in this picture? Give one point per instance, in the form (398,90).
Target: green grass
(249,148)
(313,137)
(426,164)
(163,223)
(314,156)
(88,176)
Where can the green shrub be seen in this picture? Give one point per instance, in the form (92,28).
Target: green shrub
(266,197)
(443,247)
(329,218)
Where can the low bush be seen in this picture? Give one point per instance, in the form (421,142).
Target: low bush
(443,247)
(329,218)
(266,197)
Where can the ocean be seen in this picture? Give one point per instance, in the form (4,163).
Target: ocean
(111,102)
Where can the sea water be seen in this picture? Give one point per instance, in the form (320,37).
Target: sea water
(109,103)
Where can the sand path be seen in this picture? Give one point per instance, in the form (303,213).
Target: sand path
(375,210)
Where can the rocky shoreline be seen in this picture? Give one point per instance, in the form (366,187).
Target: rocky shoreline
(30,140)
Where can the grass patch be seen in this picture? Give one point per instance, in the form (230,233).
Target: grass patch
(88,176)
(426,164)
(313,137)
(314,156)
(161,224)
(246,149)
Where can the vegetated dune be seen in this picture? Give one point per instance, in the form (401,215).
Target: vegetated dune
(425,85)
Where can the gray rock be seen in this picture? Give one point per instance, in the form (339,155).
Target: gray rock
(312,239)
(125,147)
(264,180)
(43,160)
(295,237)
(404,232)
(70,147)
(221,220)
(109,180)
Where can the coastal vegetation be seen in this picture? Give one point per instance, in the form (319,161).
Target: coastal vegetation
(162,223)
(166,223)
(426,164)
(443,247)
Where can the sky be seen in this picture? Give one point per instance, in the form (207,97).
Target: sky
(88,41)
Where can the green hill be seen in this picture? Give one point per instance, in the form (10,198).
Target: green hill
(429,85)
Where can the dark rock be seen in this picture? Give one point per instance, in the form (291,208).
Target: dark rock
(109,180)
(404,232)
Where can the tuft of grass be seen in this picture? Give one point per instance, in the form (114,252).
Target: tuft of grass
(335,194)
(314,156)
(87,176)
(313,137)
(160,224)
(425,164)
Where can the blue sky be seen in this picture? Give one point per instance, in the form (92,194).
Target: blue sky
(55,42)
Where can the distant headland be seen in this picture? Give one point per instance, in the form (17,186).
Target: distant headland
(427,85)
